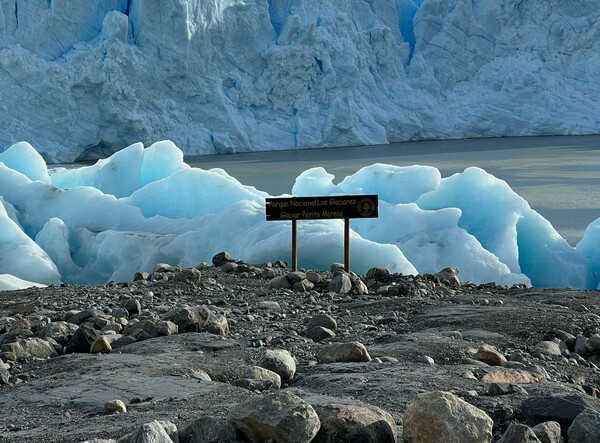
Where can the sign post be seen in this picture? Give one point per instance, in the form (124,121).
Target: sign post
(322,208)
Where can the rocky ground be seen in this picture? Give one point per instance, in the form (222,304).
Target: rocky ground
(232,351)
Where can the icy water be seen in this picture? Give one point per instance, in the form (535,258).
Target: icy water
(558,176)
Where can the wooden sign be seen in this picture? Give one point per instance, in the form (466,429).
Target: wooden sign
(319,208)
(322,208)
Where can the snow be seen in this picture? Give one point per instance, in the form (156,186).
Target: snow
(81,80)
(144,206)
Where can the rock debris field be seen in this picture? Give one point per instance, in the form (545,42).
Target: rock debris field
(232,352)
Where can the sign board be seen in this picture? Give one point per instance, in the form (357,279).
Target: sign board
(320,208)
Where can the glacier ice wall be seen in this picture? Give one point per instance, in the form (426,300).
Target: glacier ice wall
(81,80)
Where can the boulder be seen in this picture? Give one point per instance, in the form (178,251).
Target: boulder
(585,428)
(449,275)
(548,432)
(547,347)
(256,372)
(344,352)
(82,340)
(518,433)
(221,258)
(280,417)
(153,432)
(442,417)
(560,408)
(490,355)
(192,319)
(191,276)
(354,423)
(341,284)
(132,305)
(324,320)
(279,361)
(217,324)
(319,333)
(208,430)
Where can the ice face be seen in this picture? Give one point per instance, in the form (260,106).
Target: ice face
(172,213)
(81,80)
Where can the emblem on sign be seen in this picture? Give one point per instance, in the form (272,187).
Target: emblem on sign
(366,207)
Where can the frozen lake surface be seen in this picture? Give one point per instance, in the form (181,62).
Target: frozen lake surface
(558,176)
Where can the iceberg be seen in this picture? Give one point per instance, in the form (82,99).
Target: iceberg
(105,222)
(80,80)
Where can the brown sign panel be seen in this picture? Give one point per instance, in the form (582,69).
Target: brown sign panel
(319,208)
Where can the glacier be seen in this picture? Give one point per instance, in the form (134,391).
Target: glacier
(80,80)
(144,205)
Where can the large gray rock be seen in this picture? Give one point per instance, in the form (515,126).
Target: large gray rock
(354,423)
(217,324)
(519,433)
(259,373)
(585,428)
(548,432)
(153,432)
(442,417)
(319,333)
(36,347)
(344,352)
(324,320)
(547,348)
(132,306)
(208,430)
(82,340)
(490,355)
(221,258)
(61,331)
(593,343)
(192,319)
(341,284)
(279,361)
(560,408)
(281,417)
(82,316)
